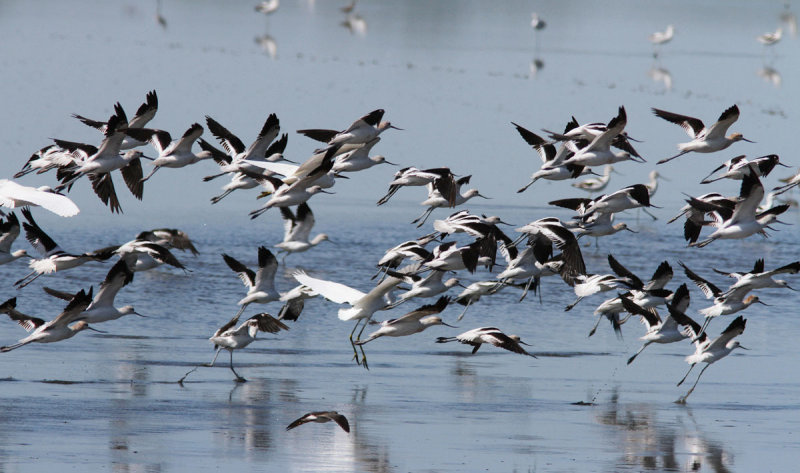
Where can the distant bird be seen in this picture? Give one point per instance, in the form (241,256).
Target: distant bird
(9,231)
(413,322)
(297,229)
(322,417)
(261,283)
(768,39)
(536,22)
(62,327)
(704,140)
(231,338)
(709,351)
(347,9)
(491,335)
(54,258)
(661,37)
(595,184)
(268,7)
(13,195)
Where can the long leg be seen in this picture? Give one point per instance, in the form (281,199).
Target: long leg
(670,159)
(630,360)
(27,279)
(239,379)
(682,400)
(569,307)
(216,199)
(687,374)
(355,352)
(525,291)
(423,217)
(594,329)
(363,355)
(469,302)
(705,325)
(151,174)
(644,209)
(219,349)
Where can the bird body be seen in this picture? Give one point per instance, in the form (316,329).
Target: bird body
(491,335)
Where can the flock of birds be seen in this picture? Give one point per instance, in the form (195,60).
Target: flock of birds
(544,247)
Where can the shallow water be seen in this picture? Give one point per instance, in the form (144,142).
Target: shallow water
(453,75)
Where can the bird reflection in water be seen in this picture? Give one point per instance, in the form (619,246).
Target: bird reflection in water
(652,444)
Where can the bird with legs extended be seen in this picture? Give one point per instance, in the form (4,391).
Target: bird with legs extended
(491,335)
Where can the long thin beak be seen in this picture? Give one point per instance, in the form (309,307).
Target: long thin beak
(743,348)
(523,343)
(481,195)
(664,178)
(392,126)
(790,287)
(92,328)
(395,164)
(264,194)
(616,172)
(781,164)
(326,192)
(506,223)
(140,315)
(749,141)
(632,231)
(448,325)
(760,302)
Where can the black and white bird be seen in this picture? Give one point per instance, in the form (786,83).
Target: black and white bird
(322,417)
(491,335)
(260,283)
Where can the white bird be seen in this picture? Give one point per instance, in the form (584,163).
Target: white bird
(598,151)
(491,335)
(321,417)
(768,39)
(667,330)
(237,157)
(102,307)
(553,167)
(595,184)
(449,257)
(231,338)
(710,351)
(358,159)
(169,238)
(268,7)
(536,22)
(9,231)
(362,305)
(297,229)
(601,224)
(413,322)
(589,284)
(13,195)
(143,254)
(54,258)
(62,327)
(704,140)
(144,114)
(757,278)
(361,131)
(288,195)
(661,37)
(630,197)
(474,292)
(695,217)
(736,168)
(261,283)
(422,286)
(743,221)
(414,249)
(563,239)
(171,154)
(442,179)
(436,199)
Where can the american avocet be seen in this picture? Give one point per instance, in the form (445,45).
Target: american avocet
(481,227)
(589,284)
(102,307)
(429,285)
(630,197)
(62,327)
(789,184)
(322,417)
(695,217)
(288,195)
(413,322)
(362,305)
(725,302)
(355,24)
(143,255)
(598,151)
(268,7)
(171,154)
(231,338)
(169,238)
(363,130)
(358,159)
(770,38)
(54,258)
(474,292)
(528,264)
(584,134)
(414,249)
(449,257)
(261,283)
(294,301)
(347,9)
(595,184)
(704,140)
(296,230)
(743,221)
(436,199)
(238,158)
(563,239)
(442,179)
(736,168)
(601,224)
(668,329)
(709,351)
(757,278)
(491,335)
(14,195)
(9,231)
(661,37)
(45,159)
(144,114)
(553,167)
